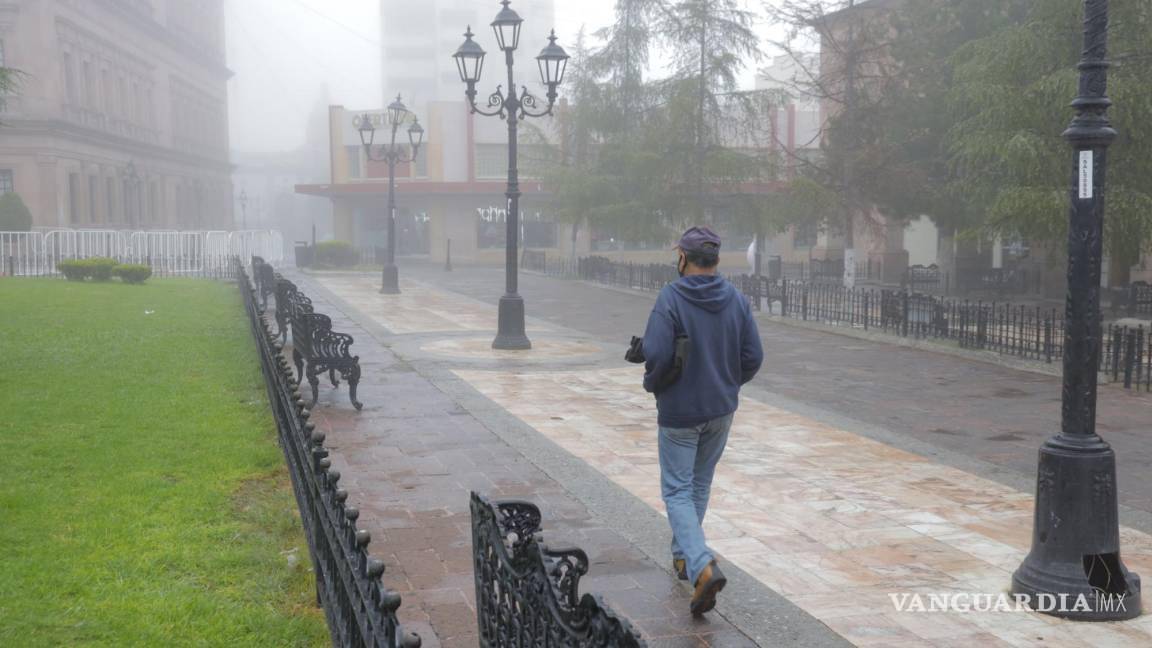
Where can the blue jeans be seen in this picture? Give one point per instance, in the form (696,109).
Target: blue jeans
(688,458)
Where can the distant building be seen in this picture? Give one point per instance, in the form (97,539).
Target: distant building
(454,190)
(795,124)
(420,37)
(122,118)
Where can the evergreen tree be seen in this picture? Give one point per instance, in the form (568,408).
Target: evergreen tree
(1010,96)
(709,41)
(14,214)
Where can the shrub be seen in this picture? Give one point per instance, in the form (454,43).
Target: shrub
(73,269)
(14,214)
(339,254)
(133,273)
(100,268)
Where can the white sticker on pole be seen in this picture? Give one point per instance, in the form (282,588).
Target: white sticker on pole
(1085,175)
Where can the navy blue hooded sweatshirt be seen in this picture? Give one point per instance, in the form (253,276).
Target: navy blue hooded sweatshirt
(725,349)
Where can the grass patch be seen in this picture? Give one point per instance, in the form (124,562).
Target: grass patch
(143,497)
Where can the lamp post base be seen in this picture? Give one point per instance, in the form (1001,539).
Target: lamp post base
(1074,569)
(510,334)
(390,280)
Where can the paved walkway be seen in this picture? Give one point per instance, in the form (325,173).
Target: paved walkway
(822,514)
(932,403)
(410,458)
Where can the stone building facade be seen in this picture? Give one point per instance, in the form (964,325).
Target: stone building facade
(121,118)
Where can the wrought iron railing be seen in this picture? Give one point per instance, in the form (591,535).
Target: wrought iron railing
(527,594)
(359,609)
(1020,330)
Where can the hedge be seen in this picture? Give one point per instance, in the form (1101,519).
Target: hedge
(133,273)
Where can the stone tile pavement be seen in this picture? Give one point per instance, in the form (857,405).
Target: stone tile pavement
(830,519)
(409,460)
(940,404)
(833,521)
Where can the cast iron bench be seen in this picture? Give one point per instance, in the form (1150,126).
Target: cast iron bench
(287,299)
(316,348)
(265,278)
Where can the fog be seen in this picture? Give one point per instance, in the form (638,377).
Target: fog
(290,57)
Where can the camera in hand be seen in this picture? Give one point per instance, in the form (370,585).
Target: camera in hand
(635,352)
(635,355)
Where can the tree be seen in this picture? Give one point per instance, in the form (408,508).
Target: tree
(642,157)
(1010,96)
(710,42)
(9,84)
(14,214)
(855,73)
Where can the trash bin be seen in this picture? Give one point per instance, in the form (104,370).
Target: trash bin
(304,253)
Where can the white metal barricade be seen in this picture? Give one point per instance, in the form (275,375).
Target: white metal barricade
(167,252)
(22,254)
(84,244)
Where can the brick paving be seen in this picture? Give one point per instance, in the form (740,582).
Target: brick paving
(409,460)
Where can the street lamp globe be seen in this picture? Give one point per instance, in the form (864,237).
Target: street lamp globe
(367,130)
(553,62)
(397,112)
(469,59)
(507,27)
(415,135)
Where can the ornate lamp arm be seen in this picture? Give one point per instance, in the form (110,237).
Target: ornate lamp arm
(407,159)
(495,100)
(528,102)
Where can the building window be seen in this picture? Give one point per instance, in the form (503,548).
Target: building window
(353,155)
(110,196)
(74,197)
(92,188)
(69,78)
(491,160)
(2,59)
(89,87)
(804,235)
(6,185)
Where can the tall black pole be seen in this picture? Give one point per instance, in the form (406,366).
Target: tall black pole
(510,333)
(390,276)
(1076,538)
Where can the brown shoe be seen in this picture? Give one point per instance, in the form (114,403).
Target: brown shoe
(708,585)
(680,566)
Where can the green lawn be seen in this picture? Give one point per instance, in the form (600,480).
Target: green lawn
(143,498)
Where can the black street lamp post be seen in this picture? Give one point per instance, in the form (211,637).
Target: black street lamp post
(397,114)
(1076,537)
(511,107)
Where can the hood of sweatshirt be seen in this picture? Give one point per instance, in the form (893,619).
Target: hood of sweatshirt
(710,292)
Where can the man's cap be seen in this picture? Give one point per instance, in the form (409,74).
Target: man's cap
(699,239)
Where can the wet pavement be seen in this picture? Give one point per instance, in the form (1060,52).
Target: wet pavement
(856,469)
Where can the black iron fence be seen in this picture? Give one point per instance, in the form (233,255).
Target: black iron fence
(1018,330)
(528,594)
(360,610)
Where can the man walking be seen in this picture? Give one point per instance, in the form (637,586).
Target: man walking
(703,328)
